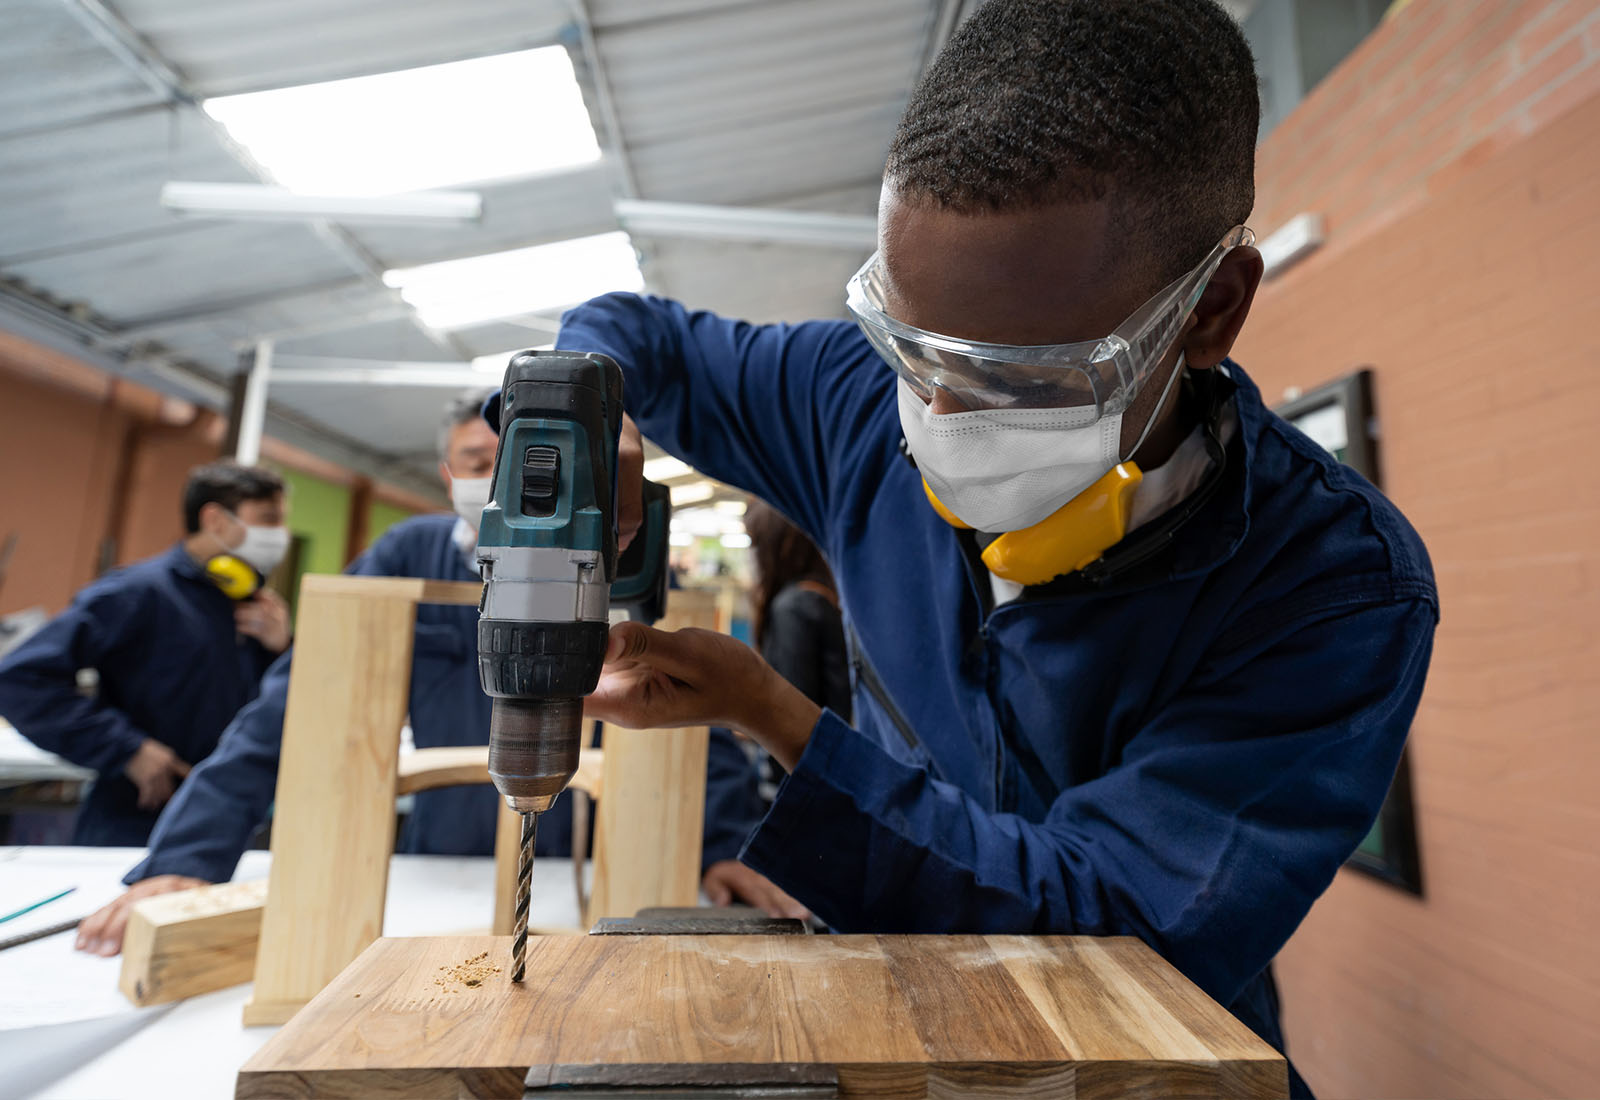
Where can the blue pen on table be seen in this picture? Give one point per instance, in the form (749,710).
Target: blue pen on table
(37,904)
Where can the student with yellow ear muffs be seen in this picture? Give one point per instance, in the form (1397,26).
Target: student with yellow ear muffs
(179,642)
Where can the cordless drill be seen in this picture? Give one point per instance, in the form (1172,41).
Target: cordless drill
(547,551)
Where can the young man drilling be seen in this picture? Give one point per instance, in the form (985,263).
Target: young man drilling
(205,830)
(1132,656)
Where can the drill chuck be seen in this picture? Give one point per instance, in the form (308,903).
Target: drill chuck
(533,749)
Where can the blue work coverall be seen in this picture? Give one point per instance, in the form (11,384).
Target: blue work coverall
(161,636)
(1186,755)
(207,826)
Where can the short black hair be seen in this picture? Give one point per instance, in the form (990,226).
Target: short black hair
(228,484)
(462,409)
(1152,103)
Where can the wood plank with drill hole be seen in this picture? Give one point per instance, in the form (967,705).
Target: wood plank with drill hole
(909,1016)
(191,942)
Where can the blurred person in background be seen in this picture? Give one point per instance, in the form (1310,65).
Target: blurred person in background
(206,829)
(179,643)
(794,609)
(795,622)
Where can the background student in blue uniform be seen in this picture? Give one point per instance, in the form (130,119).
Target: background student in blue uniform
(205,830)
(175,657)
(1164,699)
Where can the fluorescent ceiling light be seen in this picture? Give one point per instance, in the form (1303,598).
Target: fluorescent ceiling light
(514,114)
(264,202)
(458,293)
(665,468)
(698,523)
(731,507)
(692,493)
(680,538)
(736,540)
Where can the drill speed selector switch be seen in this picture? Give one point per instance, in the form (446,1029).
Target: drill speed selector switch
(541,480)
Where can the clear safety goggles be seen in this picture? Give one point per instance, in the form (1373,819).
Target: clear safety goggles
(1105,374)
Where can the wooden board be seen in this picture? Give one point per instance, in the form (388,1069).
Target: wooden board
(413,590)
(650,821)
(191,942)
(333,827)
(903,1016)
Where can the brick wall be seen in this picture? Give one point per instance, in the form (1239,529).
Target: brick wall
(87,458)
(1441,86)
(1467,279)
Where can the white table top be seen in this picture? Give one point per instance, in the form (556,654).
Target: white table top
(21,761)
(66,1033)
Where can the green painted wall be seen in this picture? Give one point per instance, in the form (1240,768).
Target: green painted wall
(319,512)
(382,516)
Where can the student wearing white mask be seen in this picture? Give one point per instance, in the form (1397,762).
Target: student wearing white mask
(205,830)
(179,642)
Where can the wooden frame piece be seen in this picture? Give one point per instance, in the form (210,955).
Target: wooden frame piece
(190,942)
(339,773)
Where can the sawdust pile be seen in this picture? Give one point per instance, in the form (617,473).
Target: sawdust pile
(469,973)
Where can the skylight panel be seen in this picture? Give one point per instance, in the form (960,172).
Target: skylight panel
(490,118)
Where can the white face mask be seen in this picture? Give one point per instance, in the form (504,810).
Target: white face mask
(1005,469)
(263,547)
(469,496)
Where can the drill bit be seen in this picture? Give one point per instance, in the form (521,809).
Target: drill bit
(519,937)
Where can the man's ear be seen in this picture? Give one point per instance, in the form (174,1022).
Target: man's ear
(213,517)
(1222,308)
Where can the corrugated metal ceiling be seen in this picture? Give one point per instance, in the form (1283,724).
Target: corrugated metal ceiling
(227,46)
(774,102)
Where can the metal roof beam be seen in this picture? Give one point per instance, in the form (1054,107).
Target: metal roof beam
(129,47)
(376,372)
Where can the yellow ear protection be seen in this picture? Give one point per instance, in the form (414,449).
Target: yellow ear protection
(1066,540)
(236,577)
(1076,537)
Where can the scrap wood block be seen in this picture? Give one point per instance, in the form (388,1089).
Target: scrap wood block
(911,1016)
(191,942)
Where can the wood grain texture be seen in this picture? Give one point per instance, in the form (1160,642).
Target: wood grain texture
(191,942)
(651,813)
(444,766)
(649,823)
(913,1016)
(334,819)
(414,590)
(507,851)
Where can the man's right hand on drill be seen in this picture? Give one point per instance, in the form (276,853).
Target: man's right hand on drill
(101,932)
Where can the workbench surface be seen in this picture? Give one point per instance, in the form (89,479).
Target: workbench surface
(75,1038)
(870,1015)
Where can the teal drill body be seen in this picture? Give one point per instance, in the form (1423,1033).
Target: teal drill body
(547,549)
